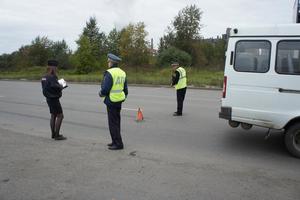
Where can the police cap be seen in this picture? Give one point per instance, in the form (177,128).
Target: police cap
(53,63)
(113,58)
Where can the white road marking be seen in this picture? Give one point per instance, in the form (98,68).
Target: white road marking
(158,88)
(130,109)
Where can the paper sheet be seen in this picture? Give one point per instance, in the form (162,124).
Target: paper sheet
(63,83)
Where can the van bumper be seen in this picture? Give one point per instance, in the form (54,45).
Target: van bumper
(225,113)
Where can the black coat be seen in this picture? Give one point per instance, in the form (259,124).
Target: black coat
(175,78)
(51,88)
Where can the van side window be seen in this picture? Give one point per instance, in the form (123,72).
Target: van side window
(252,56)
(288,57)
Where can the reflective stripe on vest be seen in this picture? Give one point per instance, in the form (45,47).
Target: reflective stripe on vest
(182,82)
(116,93)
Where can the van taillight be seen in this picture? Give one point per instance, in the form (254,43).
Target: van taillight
(224,86)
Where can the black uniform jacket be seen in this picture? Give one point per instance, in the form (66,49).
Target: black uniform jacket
(175,78)
(51,88)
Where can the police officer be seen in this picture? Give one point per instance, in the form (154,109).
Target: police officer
(114,90)
(179,80)
(52,90)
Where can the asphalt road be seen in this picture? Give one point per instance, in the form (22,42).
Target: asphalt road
(238,162)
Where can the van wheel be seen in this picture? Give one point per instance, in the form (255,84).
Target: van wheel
(246,126)
(292,139)
(233,124)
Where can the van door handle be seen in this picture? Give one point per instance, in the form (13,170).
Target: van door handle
(288,91)
(231,58)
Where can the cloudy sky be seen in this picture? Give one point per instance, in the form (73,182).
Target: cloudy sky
(22,20)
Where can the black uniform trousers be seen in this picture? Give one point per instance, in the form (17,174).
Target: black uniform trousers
(180,98)
(114,123)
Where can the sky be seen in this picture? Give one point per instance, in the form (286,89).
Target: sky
(23,20)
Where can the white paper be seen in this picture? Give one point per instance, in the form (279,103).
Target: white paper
(63,83)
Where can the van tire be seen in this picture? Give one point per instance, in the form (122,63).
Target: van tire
(233,124)
(246,126)
(292,139)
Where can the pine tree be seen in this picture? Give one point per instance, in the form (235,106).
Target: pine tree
(96,38)
(113,41)
(85,59)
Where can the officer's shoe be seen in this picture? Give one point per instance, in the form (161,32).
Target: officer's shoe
(116,147)
(177,114)
(110,144)
(60,137)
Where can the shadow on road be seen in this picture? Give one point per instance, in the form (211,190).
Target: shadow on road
(253,142)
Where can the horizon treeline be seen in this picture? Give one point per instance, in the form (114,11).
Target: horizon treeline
(182,42)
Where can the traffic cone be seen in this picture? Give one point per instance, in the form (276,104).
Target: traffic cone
(139,116)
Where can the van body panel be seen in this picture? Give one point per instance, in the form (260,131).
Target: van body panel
(289,30)
(266,99)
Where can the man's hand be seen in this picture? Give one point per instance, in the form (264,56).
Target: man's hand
(101,95)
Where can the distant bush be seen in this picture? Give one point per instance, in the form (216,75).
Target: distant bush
(173,54)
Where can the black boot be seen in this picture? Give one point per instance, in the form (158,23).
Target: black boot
(177,114)
(60,137)
(57,127)
(110,144)
(116,147)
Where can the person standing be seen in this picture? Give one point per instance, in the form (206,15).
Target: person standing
(179,80)
(114,90)
(52,90)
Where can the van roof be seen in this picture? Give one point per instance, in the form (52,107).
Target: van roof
(268,30)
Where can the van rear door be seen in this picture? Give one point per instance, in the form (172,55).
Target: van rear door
(263,83)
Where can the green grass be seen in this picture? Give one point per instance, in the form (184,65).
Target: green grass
(33,73)
(152,76)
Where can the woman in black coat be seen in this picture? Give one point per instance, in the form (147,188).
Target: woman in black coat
(52,90)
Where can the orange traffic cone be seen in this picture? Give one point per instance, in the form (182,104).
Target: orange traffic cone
(139,116)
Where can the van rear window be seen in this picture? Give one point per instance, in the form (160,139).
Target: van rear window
(288,57)
(252,56)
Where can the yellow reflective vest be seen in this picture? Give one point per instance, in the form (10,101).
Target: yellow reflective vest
(116,93)
(182,82)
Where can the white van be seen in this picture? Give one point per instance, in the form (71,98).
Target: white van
(262,80)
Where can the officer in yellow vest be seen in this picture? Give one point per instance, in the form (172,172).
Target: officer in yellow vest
(114,90)
(179,80)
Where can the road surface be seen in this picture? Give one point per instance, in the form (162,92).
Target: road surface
(196,156)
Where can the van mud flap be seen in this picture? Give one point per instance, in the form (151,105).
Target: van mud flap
(225,113)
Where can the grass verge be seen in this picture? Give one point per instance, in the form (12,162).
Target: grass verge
(152,76)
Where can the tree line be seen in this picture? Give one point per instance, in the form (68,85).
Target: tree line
(182,42)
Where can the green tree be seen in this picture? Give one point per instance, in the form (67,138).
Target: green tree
(22,58)
(84,58)
(133,45)
(210,53)
(167,41)
(184,32)
(167,56)
(60,51)
(96,38)
(113,41)
(220,49)
(5,62)
(199,57)
(187,25)
(39,51)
